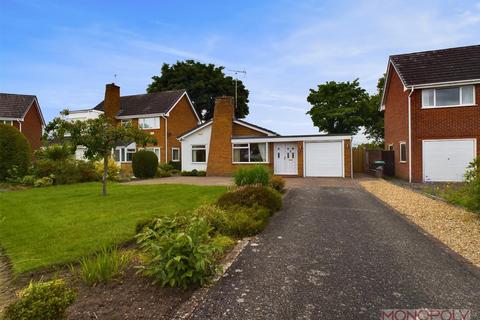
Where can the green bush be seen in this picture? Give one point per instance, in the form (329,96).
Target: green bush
(114,172)
(201,173)
(87,171)
(223,243)
(43,182)
(277,183)
(179,251)
(15,152)
(467,196)
(251,196)
(55,152)
(144,164)
(192,173)
(235,221)
(28,180)
(177,165)
(103,266)
(165,167)
(162,173)
(41,301)
(257,174)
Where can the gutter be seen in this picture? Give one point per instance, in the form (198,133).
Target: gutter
(410,134)
(166,138)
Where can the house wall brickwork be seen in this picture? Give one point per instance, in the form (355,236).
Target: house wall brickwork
(396,120)
(32,126)
(433,123)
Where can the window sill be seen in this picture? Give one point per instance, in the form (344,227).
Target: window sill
(454,106)
(403,161)
(178,161)
(250,162)
(198,162)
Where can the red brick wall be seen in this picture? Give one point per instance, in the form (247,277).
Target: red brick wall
(396,120)
(441,123)
(32,127)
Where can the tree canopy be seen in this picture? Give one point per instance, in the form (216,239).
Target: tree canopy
(203,82)
(99,136)
(373,117)
(338,107)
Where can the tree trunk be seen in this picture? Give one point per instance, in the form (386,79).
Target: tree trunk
(104,178)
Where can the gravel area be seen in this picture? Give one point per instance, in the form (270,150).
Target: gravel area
(457,228)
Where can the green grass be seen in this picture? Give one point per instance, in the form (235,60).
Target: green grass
(57,225)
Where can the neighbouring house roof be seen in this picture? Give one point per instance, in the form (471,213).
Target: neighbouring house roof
(148,103)
(293,138)
(237,121)
(16,106)
(438,66)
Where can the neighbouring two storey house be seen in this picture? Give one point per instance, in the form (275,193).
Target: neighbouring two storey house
(432,116)
(24,113)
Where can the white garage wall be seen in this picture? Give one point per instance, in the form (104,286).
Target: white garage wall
(202,136)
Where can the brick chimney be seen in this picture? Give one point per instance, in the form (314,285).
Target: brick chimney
(220,149)
(111,104)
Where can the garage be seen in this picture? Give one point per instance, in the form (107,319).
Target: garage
(324,159)
(447,160)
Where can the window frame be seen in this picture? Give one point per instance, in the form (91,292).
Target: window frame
(124,122)
(5,122)
(153,150)
(196,147)
(249,153)
(400,152)
(141,122)
(178,159)
(461,104)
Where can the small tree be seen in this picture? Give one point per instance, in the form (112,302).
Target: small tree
(15,153)
(99,136)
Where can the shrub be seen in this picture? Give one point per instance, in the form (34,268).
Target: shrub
(43,182)
(179,251)
(103,266)
(41,301)
(165,167)
(28,180)
(277,183)
(176,165)
(192,173)
(87,171)
(54,152)
(467,196)
(162,173)
(257,174)
(251,196)
(113,170)
(235,221)
(144,164)
(223,243)
(201,173)
(14,152)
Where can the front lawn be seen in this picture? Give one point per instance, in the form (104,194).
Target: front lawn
(55,225)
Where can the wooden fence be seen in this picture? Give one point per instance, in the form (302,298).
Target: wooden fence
(358,157)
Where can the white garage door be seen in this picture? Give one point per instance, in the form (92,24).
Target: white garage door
(447,160)
(323,159)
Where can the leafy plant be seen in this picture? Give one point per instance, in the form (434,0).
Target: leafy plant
(257,174)
(55,152)
(176,165)
(277,183)
(192,173)
(103,266)
(15,152)
(43,182)
(179,251)
(251,196)
(41,301)
(113,170)
(144,164)
(162,173)
(468,195)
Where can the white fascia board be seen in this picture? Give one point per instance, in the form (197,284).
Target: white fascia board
(446,84)
(206,124)
(291,139)
(10,119)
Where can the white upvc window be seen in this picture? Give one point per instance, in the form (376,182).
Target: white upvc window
(126,122)
(403,152)
(123,154)
(250,152)
(7,122)
(448,97)
(199,153)
(149,123)
(175,154)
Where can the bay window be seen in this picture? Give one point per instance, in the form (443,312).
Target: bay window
(448,97)
(149,123)
(250,153)
(199,153)
(122,154)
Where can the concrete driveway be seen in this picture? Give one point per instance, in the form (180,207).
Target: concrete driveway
(336,252)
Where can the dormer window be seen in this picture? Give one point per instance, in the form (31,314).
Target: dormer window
(448,97)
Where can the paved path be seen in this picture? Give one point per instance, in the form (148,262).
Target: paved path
(335,252)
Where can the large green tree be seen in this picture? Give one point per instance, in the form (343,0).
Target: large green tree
(338,107)
(99,136)
(203,82)
(373,117)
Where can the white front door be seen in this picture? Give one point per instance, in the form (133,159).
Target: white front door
(285,155)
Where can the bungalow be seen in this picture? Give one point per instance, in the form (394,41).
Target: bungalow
(225,143)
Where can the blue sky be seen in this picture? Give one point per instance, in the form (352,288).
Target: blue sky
(66,51)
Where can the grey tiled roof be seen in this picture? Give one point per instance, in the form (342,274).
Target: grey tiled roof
(14,105)
(148,103)
(454,64)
